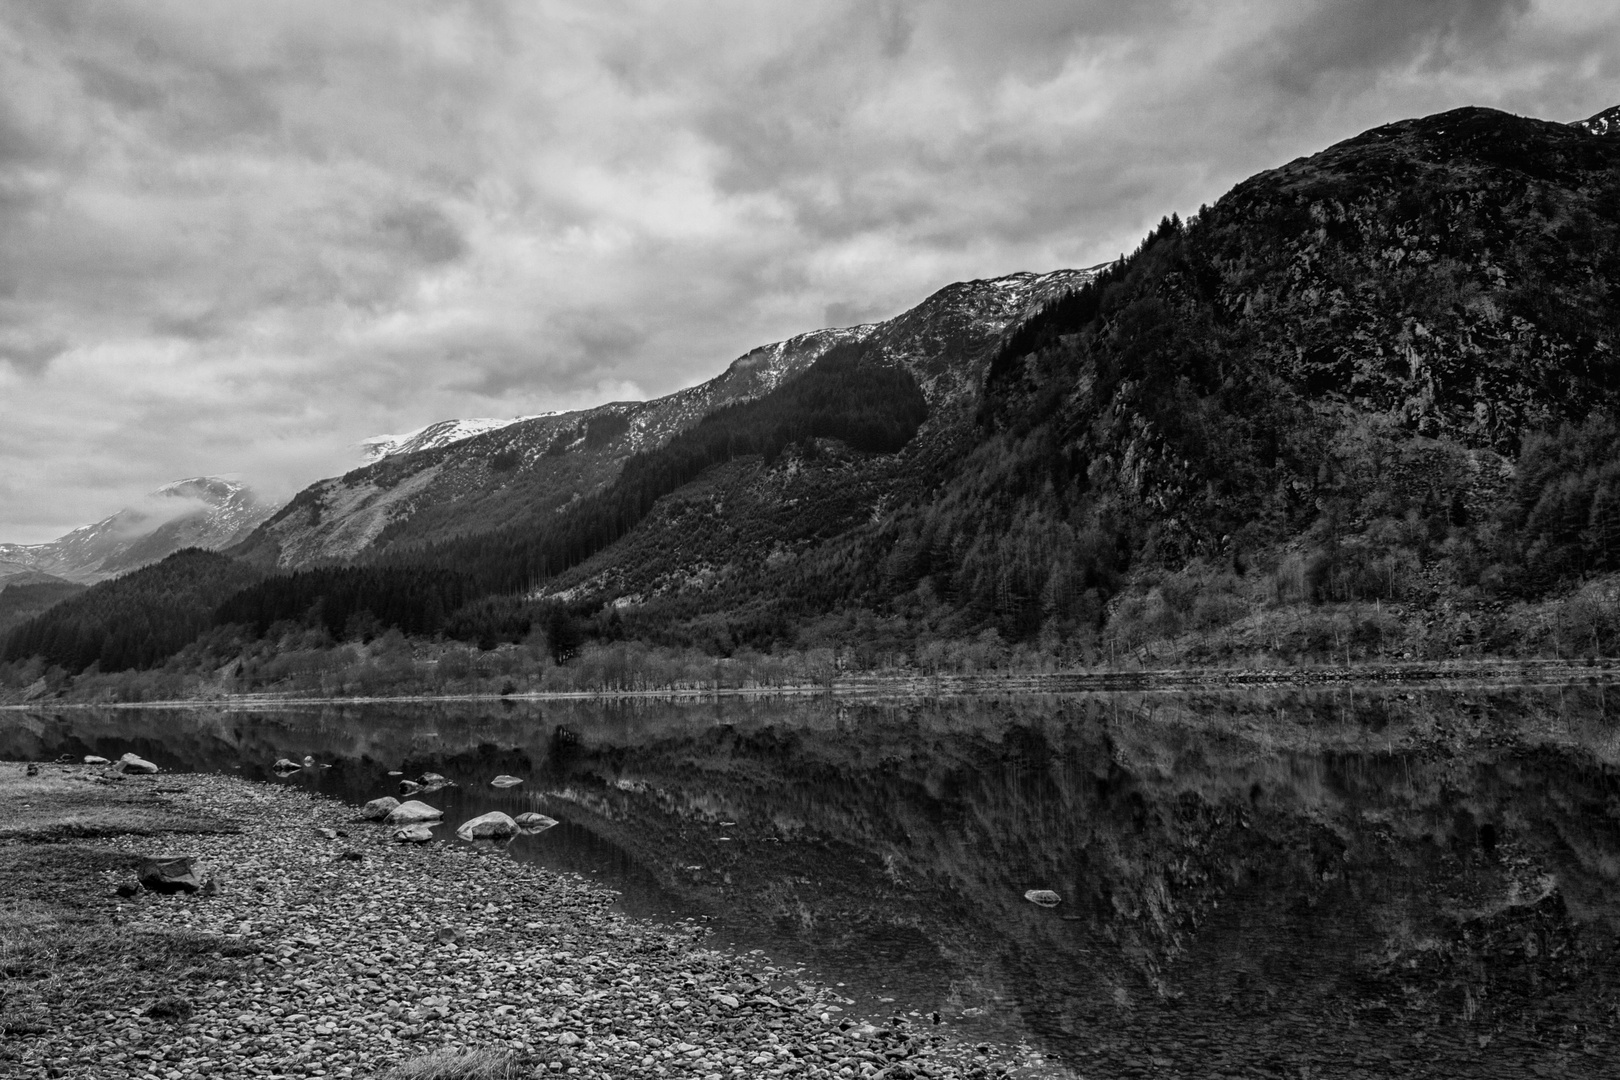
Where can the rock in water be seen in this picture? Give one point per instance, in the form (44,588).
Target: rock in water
(379,809)
(410,813)
(282,765)
(491,826)
(409,787)
(532,822)
(505,781)
(1043,897)
(131,763)
(95,759)
(169,876)
(414,834)
(432,778)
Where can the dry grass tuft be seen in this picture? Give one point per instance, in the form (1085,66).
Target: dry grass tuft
(463,1065)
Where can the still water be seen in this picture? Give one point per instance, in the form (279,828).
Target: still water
(1291,883)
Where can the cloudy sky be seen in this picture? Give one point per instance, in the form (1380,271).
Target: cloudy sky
(238,238)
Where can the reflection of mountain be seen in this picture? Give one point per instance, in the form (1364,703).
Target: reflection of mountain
(1294,903)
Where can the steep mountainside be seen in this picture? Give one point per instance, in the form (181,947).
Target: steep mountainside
(528,469)
(203,511)
(1342,358)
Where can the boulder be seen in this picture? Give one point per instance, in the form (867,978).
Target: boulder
(414,834)
(378,809)
(532,822)
(491,826)
(282,765)
(431,778)
(1043,897)
(169,876)
(409,787)
(129,763)
(410,813)
(95,759)
(504,781)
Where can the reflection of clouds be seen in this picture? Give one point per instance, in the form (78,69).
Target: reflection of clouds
(244,238)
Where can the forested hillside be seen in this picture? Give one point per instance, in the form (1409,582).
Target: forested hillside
(1363,405)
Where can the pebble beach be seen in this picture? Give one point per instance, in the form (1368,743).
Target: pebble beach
(347,954)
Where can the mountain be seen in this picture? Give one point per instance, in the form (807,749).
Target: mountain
(203,511)
(1366,404)
(443,483)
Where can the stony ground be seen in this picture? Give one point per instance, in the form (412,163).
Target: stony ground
(313,955)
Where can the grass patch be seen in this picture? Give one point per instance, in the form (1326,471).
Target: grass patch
(74,803)
(63,945)
(453,1064)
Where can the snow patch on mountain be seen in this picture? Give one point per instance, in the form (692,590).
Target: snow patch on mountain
(1606,122)
(435,435)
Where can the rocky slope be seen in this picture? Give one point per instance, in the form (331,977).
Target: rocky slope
(428,489)
(203,511)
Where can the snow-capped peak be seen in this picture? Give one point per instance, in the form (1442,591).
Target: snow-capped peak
(435,435)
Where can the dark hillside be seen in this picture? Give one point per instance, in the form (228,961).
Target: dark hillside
(22,600)
(134,621)
(1343,356)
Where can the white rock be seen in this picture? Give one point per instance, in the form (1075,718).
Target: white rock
(131,763)
(95,759)
(491,826)
(1043,897)
(414,834)
(412,812)
(504,781)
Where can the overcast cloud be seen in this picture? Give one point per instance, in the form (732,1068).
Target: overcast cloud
(238,238)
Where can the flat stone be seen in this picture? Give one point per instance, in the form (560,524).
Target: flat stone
(1043,897)
(131,763)
(505,781)
(414,834)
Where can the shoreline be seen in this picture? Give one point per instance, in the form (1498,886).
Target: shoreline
(350,955)
(1440,674)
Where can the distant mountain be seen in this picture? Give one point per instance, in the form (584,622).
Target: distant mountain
(203,511)
(452,480)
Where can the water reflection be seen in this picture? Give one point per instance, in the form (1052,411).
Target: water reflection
(1388,882)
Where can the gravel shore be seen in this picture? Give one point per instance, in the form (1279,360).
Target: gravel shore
(355,956)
